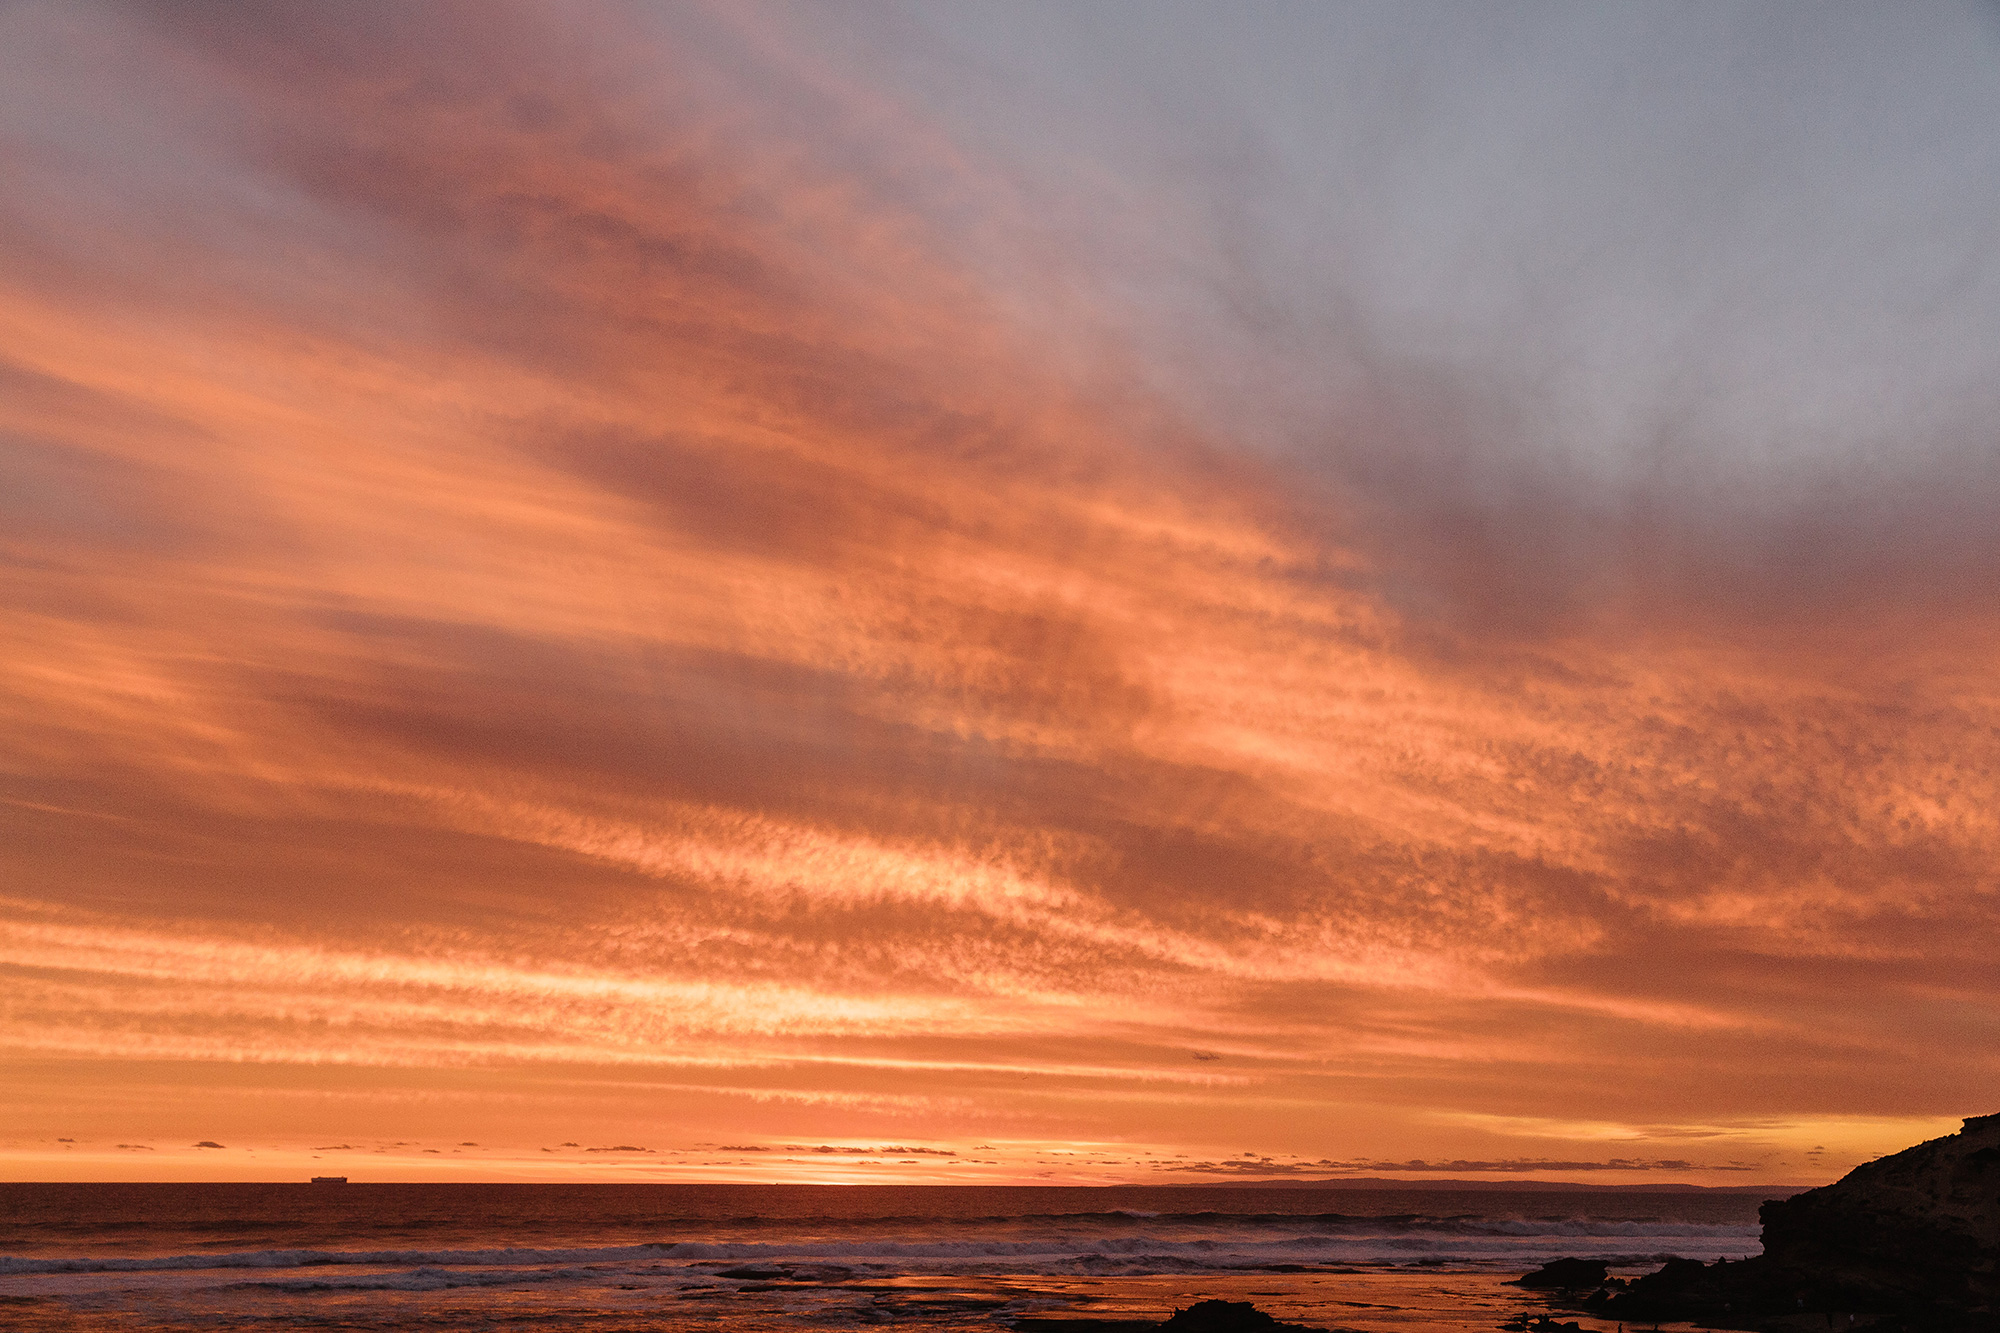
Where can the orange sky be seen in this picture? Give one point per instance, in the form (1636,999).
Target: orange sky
(568,589)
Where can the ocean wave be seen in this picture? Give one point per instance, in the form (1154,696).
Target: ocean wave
(427,1278)
(1317,1243)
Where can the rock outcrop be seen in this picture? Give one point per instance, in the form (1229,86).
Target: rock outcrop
(1201,1317)
(1568,1275)
(1909,1241)
(1920,1225)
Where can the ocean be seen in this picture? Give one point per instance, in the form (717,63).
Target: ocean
(658,1258)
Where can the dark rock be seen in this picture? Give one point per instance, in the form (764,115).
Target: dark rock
(787,1273)
(1922,1225)
(1220,1317)
(1574,1274)
(1202,1317)
(1911,1241)
(1717,1293)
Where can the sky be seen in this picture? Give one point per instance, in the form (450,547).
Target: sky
(1131,592)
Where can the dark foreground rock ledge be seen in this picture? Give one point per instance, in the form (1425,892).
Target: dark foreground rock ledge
(1201,1317)
(1909,1241)
(1568,1275)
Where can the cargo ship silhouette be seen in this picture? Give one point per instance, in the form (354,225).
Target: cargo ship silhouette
(329,1180)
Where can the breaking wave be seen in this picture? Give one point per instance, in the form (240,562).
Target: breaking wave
(1199,1240)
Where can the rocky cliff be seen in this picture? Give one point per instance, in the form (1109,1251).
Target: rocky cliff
(1923,1223)
(1909,1241)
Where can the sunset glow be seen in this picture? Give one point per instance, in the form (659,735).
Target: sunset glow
(636,593)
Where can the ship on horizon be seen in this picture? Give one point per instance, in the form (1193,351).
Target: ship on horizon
(329,1180)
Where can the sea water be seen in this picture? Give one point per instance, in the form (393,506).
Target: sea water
(624,1258)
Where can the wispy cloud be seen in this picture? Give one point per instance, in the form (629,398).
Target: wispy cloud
(536,543)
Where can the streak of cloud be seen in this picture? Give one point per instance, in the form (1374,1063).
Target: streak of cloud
(577,552)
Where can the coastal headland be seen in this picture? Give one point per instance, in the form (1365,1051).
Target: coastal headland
(1909,1242)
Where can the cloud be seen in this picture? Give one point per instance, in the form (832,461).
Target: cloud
(1558,344)
(1524,1165)
(672,553)
(1265,1167)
